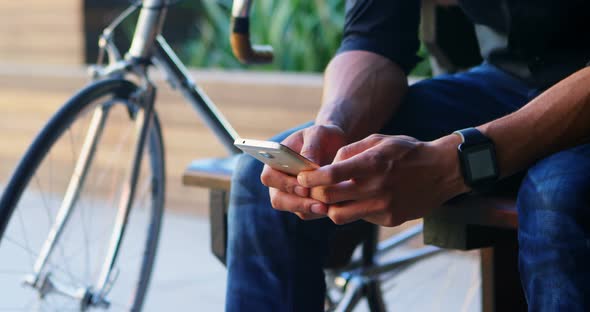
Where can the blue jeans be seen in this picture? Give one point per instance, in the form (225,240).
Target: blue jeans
(275,260)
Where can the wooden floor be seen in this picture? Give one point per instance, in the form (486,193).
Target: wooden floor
(258,105)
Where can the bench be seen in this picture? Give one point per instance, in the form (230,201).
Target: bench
(472,222)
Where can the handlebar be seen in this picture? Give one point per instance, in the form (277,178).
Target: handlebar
(242,48)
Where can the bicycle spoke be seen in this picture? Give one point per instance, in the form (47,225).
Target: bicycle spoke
(45,204)
(49,214)
(25,236)
(82,244)
(32,253)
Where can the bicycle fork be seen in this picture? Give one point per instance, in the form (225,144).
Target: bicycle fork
(88,296)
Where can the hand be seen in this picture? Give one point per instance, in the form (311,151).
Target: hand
(387,180)
(317,143)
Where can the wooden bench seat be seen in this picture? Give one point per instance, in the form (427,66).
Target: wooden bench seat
(211,173)
(454,225)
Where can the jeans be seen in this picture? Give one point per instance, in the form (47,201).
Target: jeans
(275,260)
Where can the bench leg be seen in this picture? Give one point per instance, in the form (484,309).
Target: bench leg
(501,286)
(218,204)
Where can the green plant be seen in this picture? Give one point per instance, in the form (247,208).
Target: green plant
(423,68)
(304,34)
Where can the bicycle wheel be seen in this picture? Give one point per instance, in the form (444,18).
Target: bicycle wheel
(38,189)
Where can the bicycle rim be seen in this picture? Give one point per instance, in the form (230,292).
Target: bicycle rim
(33,197)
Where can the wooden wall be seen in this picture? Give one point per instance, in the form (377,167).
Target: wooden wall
(258,105)
(41,31)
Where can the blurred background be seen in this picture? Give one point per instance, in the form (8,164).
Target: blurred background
(45,47)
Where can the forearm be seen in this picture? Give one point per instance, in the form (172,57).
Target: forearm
(557,119)
(362,90)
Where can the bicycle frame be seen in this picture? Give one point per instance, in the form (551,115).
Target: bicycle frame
(148,44)
(179,77)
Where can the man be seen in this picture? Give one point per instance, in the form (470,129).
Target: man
(275,256)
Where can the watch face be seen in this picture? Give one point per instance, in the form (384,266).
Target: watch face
(481,164)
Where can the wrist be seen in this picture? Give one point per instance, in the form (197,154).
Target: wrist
(453,179)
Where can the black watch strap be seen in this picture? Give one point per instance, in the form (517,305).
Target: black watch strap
(472,136)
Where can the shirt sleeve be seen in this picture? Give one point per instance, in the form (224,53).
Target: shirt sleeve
(386,27)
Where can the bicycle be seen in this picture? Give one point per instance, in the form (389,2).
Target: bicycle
(67,265)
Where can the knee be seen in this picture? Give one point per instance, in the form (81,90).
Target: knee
(554,197)
(417,106)
(247,171)
(247,195)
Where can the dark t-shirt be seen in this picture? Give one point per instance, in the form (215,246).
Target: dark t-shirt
(540,41)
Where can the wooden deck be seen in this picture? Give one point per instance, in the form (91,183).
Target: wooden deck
(257,104)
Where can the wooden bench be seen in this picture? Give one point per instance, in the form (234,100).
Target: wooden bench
(472,222)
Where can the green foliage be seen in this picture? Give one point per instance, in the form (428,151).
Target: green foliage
(423,68)
(305,34)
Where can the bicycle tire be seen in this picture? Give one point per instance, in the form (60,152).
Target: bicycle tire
(117,90)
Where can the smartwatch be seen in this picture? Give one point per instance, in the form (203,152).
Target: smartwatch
(477,157)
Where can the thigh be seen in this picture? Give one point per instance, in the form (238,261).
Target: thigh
(554,231)
(436,107)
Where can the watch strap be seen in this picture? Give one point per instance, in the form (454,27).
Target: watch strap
(472,136)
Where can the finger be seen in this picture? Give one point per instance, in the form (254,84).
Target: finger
(309,216)
(356,167)
(350,211)
(289,202)
(343,191)
(371,210)
(358,147)
(281,181)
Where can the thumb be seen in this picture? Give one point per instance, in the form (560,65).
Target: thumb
(311,148)
(294,141)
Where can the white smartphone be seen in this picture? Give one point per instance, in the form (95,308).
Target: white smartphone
(276,155)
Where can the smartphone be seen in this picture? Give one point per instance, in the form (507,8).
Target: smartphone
(276,155)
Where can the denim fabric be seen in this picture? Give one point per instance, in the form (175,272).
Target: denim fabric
(554,232)
(275,259)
